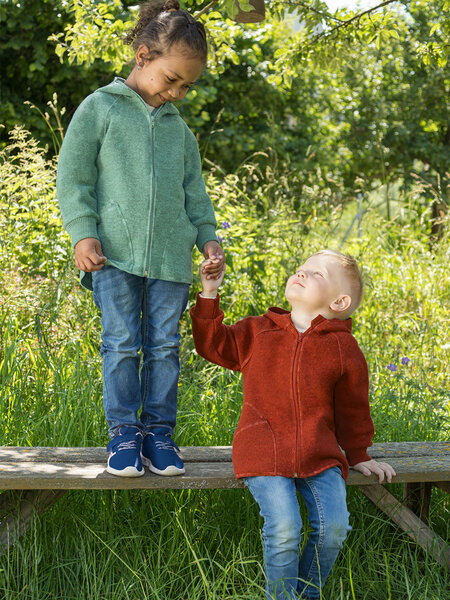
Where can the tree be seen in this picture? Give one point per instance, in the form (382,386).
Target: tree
(349,98)
(31,71)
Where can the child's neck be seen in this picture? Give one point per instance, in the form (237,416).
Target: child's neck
(301,319)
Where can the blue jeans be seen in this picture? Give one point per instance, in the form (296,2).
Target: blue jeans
(140,318)
(324,494)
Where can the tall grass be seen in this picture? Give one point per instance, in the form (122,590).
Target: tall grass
(187,545)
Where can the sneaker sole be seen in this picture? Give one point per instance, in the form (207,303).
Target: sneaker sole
(127,472)
(168,472)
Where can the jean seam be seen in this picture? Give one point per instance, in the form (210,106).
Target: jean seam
(144,334)
(319,545)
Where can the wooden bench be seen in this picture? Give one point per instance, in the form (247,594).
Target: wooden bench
(46,473)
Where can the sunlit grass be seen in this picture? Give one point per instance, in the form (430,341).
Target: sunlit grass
(196,545)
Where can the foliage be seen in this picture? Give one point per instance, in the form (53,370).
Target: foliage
(31,71)
(32,241)
(394,116)
(343,110)
(97,30)
(341,107)
(99,25)
(208,542)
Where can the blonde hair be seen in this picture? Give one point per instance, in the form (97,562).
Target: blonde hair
(352,274)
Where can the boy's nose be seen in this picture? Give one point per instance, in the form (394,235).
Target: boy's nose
(173,92)
(301,274)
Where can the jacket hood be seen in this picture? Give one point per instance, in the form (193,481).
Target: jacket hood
(319,325)
(118,87)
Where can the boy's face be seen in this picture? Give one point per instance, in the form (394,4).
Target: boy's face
(317,284)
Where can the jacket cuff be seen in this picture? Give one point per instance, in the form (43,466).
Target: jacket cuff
(81,228)
(206,233)
(205,308)
(356,455)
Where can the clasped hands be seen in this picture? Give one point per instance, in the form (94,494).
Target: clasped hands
(89,257)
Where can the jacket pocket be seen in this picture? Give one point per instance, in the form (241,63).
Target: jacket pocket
(114,234)
(254,449)
(177,253)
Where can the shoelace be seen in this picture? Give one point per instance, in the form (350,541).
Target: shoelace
(132,445)
(166,445)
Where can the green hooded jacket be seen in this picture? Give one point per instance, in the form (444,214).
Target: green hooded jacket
(132,179)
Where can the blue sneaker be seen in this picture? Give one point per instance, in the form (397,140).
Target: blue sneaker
(125,453)
(160,453)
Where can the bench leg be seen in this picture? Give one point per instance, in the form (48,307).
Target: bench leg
(409,523)
(17,512)
(442,485)
(417,497)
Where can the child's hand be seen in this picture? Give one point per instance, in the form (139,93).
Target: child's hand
(215,266)
(210,285)
(378,468)
(89,255)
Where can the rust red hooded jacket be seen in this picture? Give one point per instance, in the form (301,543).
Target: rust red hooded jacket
(305,394)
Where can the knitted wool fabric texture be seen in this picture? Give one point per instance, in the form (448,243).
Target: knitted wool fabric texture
(133,180)
(305,395)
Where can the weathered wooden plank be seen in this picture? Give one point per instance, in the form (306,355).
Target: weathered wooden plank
(47,468)
(409,523)
(94,476)
(98,455)
(205,453)
(65,475)
(210,453)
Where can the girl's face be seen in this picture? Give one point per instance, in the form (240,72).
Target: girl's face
(166,78)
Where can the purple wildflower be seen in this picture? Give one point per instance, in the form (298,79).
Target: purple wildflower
(226,225)
(392,367)
(221,239)
(405,360)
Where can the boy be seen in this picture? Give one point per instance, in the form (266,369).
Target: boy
(305,398)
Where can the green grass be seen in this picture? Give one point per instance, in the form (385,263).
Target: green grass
(205,545)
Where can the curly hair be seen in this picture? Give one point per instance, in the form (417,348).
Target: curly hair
(162,25)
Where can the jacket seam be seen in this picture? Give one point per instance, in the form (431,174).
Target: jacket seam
(234,342)
(341,361)
(244,364)
(266,422)
(105,119)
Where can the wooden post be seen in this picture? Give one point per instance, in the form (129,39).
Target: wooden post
(253,16)
(417,497)
(409,523)
(20,510)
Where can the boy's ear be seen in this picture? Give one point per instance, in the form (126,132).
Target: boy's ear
(341,303)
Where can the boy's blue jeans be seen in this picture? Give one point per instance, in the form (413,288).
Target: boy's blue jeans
(140,316)
(324,494)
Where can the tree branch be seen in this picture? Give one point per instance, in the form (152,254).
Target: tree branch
(205,10)
(349,21)
(342,23)
(312,9)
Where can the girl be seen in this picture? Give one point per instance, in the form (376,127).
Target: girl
(134,202)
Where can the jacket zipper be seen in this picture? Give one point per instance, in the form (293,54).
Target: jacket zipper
(296,402)
(151,220)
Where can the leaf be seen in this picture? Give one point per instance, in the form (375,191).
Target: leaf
(434,28)
(245,6)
